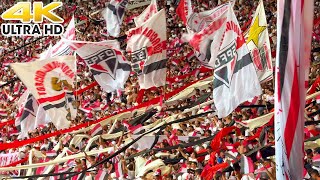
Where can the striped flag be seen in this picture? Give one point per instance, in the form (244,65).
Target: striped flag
(3,113)
(47,81)
(235,78)
(294,28)
(105,61)
(246,165)
(114,14)
(147,45)
(96,130)
(51,154)
(102,174)
(259,44)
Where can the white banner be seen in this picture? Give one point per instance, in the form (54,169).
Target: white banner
(147,45)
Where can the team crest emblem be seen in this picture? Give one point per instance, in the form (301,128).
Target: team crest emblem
(225,64)
(103,62)
(138,59)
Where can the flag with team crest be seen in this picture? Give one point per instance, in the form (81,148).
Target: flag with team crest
(113,15)
(147,13)
(106,62)
(147,46)
(48,80)
(235,78)
(259,44)
(203,29)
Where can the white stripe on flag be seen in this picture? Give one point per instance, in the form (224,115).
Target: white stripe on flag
(294,27)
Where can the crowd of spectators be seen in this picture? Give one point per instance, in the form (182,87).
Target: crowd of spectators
(192,163)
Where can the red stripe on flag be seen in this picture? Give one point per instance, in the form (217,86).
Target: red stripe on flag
(293,114)
(53,98)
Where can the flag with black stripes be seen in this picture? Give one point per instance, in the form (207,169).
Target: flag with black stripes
(147,46)
(235,79)
(294,32)
(26,118)
(106,62)
(48,80)
(113,14)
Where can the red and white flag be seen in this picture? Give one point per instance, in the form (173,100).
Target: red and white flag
(147,13)
(3,113)
(235,78)
(184,10)
(259,44)
(47,80)
(147,45)
(96,130)
(105,61)
(102,174)
(246,165)
(294,30)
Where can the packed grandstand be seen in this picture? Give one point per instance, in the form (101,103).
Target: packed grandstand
(163,128)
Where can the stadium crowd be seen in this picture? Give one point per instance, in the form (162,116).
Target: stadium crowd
(180,162)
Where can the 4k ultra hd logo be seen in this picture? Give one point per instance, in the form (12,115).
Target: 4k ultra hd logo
(29,25)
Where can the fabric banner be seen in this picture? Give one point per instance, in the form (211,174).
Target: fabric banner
(31,113)
(113,15)
(27,119)
(147,13)
(184,10)
(294,31)
(259,44)
(235,79)
(204,29)
(47,81)
(6,159)
(147,45)
(106,63)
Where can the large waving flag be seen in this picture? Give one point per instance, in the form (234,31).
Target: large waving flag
(114,14)
(147,13)
(106,62)
(235,78)
(294,31)
(32,114)
(184,10)
(205,28)
(147,45)
(259,44)
(47,81)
